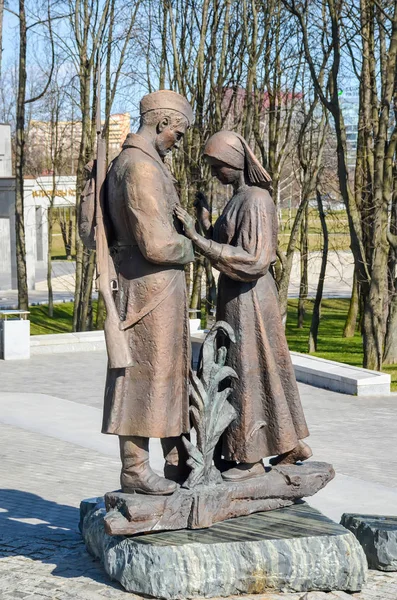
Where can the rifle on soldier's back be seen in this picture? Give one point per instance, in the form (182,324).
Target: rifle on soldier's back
(119,353)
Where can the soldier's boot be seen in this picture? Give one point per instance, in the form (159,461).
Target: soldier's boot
(136,473)
(175,455)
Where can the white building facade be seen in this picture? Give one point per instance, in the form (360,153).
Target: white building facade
(37,198)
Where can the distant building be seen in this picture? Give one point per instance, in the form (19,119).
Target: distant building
(37,194)
(235,98)
(119,128)
(5,151)
(38,191)
(350,104)
(41,136)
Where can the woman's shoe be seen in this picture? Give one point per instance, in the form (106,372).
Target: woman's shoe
(244,471)
(302,451)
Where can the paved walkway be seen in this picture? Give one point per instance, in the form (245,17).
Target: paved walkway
(338,282)
(62,279)
(52,456)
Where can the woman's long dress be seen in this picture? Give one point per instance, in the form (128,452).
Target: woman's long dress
(271,419)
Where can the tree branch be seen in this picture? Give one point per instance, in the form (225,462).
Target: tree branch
(30,100)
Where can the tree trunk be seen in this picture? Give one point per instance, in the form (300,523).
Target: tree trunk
(68,246)
(23,300)
(85,85)
(101,313)
(66,225)
(313,335)
(211,287)
(351,319)
(1,33)
(49,262)
(390,354)
(195,300)
(163,59)
(303,287)
(284,278)
(377,300)
(87,291)
(371,353)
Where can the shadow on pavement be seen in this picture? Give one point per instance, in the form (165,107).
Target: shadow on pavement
(46,531)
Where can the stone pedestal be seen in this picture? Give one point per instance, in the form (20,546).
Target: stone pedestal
(377,535)
(292,549)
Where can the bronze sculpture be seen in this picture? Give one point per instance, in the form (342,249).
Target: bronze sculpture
(244,394)
(243,401)
(150,398)
(242,246)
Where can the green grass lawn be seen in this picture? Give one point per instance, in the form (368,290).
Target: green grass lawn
(338,230)
(331,344)
(41,324)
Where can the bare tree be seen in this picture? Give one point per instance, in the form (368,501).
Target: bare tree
(352,314)
(1,33)
(23,301)
(54,162)
(88,21)
(113,38)
(304,264)
(66,217)
(315,323)
(202,45)
(97,28)
(368,203)
(56,98)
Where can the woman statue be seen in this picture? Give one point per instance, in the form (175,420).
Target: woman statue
(242,246)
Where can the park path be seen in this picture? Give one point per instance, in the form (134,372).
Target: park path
(338,283)
(52,456)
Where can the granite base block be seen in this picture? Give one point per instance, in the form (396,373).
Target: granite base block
(202,506)
(293,549)
(378,537)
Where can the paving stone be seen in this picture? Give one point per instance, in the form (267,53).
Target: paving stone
(49,477)
(16,595)
(380,586)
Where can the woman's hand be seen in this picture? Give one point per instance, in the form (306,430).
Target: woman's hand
(201,202)
(202,210)
(189,225)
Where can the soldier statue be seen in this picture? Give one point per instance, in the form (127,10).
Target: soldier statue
(150,398)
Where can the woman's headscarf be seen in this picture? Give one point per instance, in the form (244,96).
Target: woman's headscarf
(232,149)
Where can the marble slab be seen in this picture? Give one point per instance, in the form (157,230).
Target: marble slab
(323,373)
(293,549)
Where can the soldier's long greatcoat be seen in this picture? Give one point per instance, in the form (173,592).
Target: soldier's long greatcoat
(149,399)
